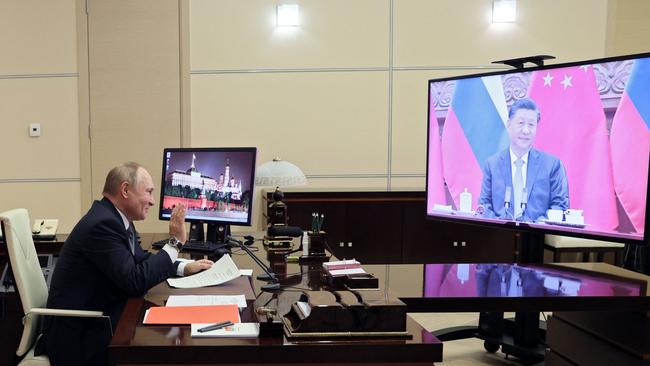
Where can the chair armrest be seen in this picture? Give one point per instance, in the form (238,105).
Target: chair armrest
(66,312)
(31,324)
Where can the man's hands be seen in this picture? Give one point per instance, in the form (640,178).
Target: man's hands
(177,230)
(197,266)
(177,224)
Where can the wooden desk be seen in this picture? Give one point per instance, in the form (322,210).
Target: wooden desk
(134,343)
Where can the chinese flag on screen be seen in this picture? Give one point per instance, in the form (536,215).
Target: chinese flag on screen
(573,128)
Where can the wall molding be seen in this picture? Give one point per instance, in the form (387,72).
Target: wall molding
(340,69)
(364,176)
(40,76)
(40,180)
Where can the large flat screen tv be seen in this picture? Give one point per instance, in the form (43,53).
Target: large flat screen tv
(561,149)
(214,184)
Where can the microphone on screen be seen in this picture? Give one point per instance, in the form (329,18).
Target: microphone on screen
(508,197)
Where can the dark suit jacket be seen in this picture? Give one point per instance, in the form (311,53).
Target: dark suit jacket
(494,280)
(97,271)
(546,184)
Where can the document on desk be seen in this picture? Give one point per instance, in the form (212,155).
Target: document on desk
(221,271)
(191,314)
(250,330)
(198,300)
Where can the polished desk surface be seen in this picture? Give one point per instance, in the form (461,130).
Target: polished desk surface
(525,287)
(135,343)
(423,287)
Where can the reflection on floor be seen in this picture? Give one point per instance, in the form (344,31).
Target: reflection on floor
(463,352)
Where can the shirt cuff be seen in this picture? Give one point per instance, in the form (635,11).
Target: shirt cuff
(171,251)
(180,269)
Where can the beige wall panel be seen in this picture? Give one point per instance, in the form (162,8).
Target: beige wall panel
(44,200)
(52,102)
(629,30)
(326,123)
(409,126)
(134,88)
(237,34)
(38,37)
(408,183)
(460,32)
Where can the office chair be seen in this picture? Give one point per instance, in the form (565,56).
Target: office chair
(30,284)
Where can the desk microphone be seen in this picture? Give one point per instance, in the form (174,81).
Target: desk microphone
(274,283)
(508,197)
(524,200)
(292,231)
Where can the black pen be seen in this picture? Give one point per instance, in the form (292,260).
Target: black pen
(215,326)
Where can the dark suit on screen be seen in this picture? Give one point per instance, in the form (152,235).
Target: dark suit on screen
(97,271)
(496,280)
(546,184)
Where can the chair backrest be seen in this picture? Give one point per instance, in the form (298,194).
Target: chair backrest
(28,276)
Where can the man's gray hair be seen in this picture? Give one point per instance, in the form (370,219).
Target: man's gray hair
(124,172)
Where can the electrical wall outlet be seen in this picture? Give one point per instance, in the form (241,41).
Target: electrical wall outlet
(34,129)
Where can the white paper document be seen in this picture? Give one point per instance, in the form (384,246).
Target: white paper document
(343,272)
(222,271)
(246,272)
(235,330)
(201,300)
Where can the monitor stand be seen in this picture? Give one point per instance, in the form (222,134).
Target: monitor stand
(216,232)
(522,336)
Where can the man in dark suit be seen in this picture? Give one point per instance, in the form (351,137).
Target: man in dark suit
(101,265)
(521,183)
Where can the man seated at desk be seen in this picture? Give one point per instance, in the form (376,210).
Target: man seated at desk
(522,183)
(101,264)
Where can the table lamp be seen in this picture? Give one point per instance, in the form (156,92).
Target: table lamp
(278,173)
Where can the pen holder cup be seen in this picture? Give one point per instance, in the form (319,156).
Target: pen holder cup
(316,243)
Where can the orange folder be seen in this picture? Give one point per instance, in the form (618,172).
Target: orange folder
(192,314)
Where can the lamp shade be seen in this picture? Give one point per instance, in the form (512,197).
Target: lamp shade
(279,173)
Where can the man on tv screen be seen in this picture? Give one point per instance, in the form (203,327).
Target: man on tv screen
(522,183)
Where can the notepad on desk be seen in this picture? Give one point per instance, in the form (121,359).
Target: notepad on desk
(344,264)
(191,314)
(343,268)
(235,330)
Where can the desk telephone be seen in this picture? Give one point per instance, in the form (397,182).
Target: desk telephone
(45,228)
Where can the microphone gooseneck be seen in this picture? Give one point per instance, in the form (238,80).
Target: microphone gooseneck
(270,276)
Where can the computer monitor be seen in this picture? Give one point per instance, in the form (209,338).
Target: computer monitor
(214,184)
(558,149)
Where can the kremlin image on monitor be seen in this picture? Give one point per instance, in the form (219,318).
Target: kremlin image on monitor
(213,185)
